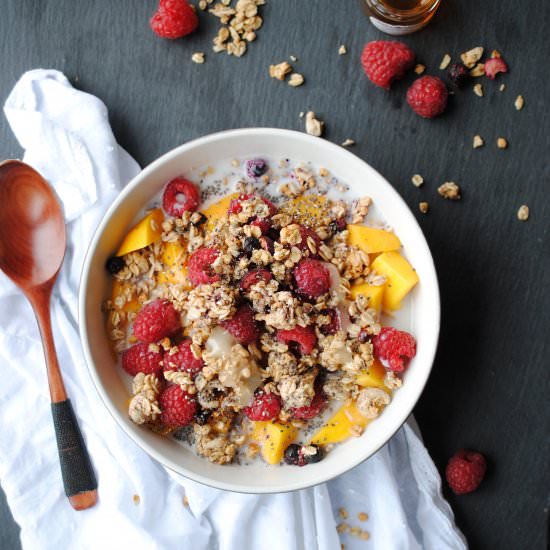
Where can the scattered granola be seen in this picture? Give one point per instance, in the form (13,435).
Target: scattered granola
(417,180)
(348,142)
(343,513)
(449,190)
(502,143)
(471,57)
(478,90)
(293,58)
(296,79)
(523,213)
(478,70)
(424,207)
(362,516)
(198,57)
(419,68)
(280,70)
(136,499)
(519,102)
(314,126)
(342,50)
(445,62)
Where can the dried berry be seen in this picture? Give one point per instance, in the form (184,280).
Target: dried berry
(114,264)
(458,74)
(202,416)
(256,168)
(250,244)
(296,455)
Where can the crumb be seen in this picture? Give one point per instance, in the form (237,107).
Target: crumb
(362,516)
(293,58)
(302,114)
(423,207)
(449,190)
(419,69)
(502,143)
(519,102)
(348,142)
(323,172)
(280,70)
(502,87)
(314,126)
(343,513)
(417,180)
(342,50)
(478,90)
(365,535)
(445,62)
(523,213)
(198,57)
(296,79)
(495,53)
(136,499)
(478,70)
(235,163)
(478,142)
(185,501)
(342,527)
(203,5)
(471,57)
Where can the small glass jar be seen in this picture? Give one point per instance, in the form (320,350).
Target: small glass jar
(400,17)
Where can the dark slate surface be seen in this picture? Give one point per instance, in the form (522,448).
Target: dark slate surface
(489,387)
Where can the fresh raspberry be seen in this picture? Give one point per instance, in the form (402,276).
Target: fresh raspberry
(177,407)
(199,268)
(494,66)
(174,19)
(312,278)
(458,74)
(242,325)
(155,321)
(263,223)
(253,277)
(427,96)
(384,61)
(235,205)
(313,409)
(139,358)
(304,337)
(394,348)
(306,233)
(334,324)
(180,195)
(265,406)
(465,471)
(183,359)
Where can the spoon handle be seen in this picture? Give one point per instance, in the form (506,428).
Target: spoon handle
(77,472)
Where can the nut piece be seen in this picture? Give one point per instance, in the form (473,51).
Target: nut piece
(419,69)
(523,213)
(342,50)
(518,103)
(198,57)
(502,143)
(478,142)
(314,126)
(478,90)
(478,70)
(293,58)
(296,79)
(471,57)
(417,180)
(444,62)
(280,70)
(423,207)
(449,190)
(502,87)
(348,142)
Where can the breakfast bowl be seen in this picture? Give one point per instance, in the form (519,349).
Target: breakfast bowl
(419,316)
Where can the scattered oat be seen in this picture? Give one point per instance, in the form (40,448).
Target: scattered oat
(417,180)
(419,69)
(343,513)
(185,501)
(348,142)
(523,213)
(198,57)
(478,90)
(296,79)
(203,5)
(445,62)
(478,70)
(314,126)
(293,58)
(519,102)
(362,516)
(423,207)
(280,70)
(478,142)
(449,190)
(323,172)
(502,87)
(342,50)
(471,57)
(502,143)
(302,114)
(342,527)
(136,499)
(495,53)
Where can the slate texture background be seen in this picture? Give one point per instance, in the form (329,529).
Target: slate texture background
(489,387)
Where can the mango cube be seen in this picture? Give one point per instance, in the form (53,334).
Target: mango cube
(347,421)
(372,240)
(373,377)
(373,293)
(174,259)
(401,278)
(218,210)
(118,295)
(274,438)
(144,233)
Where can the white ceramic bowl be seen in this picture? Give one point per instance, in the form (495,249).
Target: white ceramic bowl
(421,317)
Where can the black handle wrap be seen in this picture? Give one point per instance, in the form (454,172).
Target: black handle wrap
(76,467)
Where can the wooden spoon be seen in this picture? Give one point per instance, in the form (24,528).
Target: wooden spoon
(32,246)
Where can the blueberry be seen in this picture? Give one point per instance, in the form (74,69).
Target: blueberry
(458,74)
(256,168)
(250,244)
(292,454)
(114,264)
(202,416)
(311,454)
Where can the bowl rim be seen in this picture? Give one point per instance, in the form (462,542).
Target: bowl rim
(85,280)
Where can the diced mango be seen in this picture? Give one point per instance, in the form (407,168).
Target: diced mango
(174,259)
(218,210)
(347,421)
(144,233)
(373,293)
(274,439)
(119,290)
(373,377)
(311,210)
(372,240)
(401,278)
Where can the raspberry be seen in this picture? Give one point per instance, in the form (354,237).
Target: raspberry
(313,409)
(265,406)
(183,359)
(253,277)
(256,168)
(465,471)
(235,205)
(177,407)
(334,324)
(180,195)
(458,74)
(199,268)
(264,224)
(305,234)
(494,66)
(304,337)
(174,19)
(384,61)
(394,348)
(427,96)
(312,278)
(139,358)
(155,321)
(242,325)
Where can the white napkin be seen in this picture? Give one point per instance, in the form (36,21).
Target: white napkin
(67,137)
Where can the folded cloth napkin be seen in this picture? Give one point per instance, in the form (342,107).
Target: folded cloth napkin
(67,137)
